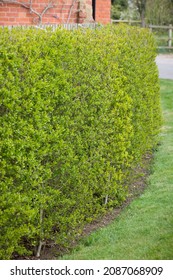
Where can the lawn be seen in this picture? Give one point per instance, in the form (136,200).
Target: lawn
(144,229)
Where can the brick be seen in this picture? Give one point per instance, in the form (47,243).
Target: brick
(2,14)
(59,13)
(4,9)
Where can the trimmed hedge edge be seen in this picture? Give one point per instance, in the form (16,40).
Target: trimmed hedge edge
(78,111)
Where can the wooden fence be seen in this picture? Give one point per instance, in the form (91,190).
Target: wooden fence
(162,33)
(165,35)
(128,21)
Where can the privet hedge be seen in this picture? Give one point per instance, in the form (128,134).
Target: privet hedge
(78,110)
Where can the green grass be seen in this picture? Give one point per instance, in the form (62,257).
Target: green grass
(143,230)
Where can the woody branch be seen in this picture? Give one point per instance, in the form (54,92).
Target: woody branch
(29,6)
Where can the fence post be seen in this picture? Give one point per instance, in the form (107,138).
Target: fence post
(150,26)
(170,36)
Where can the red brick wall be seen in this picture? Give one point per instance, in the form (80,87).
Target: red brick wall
(103,11)
(63,11)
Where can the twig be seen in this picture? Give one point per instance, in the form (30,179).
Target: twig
(71,8)
(41,243)
(29,7)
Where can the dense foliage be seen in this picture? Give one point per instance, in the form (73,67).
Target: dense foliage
(118,6)
(159,12)
(78,110)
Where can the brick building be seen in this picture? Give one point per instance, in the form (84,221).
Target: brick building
(33,12)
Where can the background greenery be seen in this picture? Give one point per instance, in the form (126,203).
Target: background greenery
(158,12)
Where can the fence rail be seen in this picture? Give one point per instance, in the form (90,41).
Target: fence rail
(129,21)
(169,36)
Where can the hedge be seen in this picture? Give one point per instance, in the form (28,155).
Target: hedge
(78,110)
